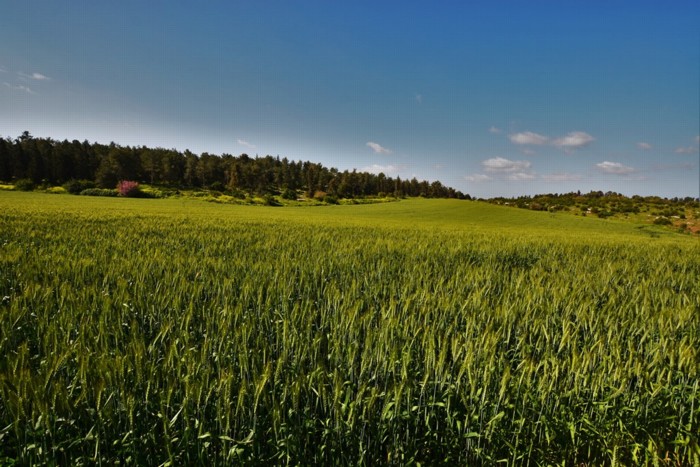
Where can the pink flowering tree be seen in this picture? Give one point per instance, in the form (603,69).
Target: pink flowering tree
(128,188)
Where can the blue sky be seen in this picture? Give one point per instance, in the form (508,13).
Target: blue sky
(495,98)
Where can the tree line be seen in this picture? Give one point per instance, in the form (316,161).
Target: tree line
(45,161)
(600,202)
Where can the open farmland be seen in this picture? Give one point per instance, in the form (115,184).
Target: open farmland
(421,331)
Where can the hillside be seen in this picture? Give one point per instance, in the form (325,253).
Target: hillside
(407,214)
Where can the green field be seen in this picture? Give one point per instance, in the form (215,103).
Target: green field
(421,331)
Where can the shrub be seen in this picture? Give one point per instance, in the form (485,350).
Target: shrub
(662,221)
(270,200)
(129,189)
(99,192)
(236,193)
(289,194)
(153,193)
(74,187)
(330,199)
(24,184)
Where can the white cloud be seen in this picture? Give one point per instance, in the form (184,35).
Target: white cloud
(643,145)
(686,150)
(499,164)
(573,140)
(528,152)
(438,166)
(377,148)
(35,76)
(697,139)
(477,178)
(615,168)
(245,143)
(521,176)
(39,77)
(419,98)
(494,130)
(568,142)
(385,169)
(561,177)
(19,87)
(528,137)
(2,70)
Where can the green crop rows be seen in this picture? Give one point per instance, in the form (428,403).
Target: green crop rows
(164,331)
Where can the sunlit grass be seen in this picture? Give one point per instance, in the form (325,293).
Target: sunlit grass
(432,331)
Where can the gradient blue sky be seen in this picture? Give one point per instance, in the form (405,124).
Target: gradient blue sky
(493,98)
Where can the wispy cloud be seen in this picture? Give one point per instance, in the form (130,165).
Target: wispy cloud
(615,168)
(39,77)
(19,87)
(245,143)
(528,137)
(385,169)
(644,146)
(2,70)
(569,142)
(35,76)
(689,149)
(573,140)
(477,178)
(561,177)
(521,176)
(495,130)
(500,164)
(438,166)
(419,98)
(378,148)
(686,150)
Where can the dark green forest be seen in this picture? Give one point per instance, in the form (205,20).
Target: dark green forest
(44,161)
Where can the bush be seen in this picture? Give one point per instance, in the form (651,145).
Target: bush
(99,192)
(56,190)
(128,189)
(24,184)
(236,193)
(151,194)
(662,221)
(289,194)
(75,187)
(330,199)
(270,200)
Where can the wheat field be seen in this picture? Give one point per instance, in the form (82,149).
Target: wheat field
(422,332)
